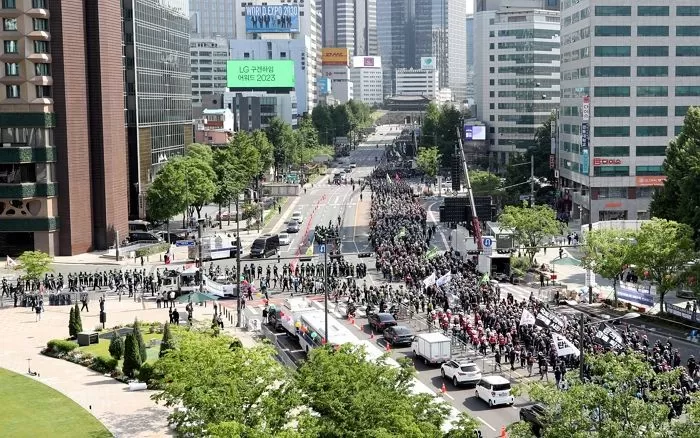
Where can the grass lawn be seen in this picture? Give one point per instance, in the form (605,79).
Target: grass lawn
(32,409)
(102,348)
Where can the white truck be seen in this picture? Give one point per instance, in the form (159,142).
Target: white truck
(434,348)
(287,315)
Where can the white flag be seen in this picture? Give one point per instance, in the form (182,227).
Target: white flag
(564,346)
(11,263)
(429,280)
(444,279)
(527,318)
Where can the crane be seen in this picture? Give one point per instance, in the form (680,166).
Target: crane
(476,225)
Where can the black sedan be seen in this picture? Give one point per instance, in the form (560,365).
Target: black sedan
(534,415)
(293,227)
(380,321)
(398,335)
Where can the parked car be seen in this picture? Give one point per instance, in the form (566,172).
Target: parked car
(535,416)
(285,239)
(398,335)
(144,237)
(225,216)
(466,373)
(353,165)
(297,216)
(293,227)
(380,321)
(495,390)
(173,237)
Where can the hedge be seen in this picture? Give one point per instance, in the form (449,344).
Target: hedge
(158,248)
(61,346)
(104,364)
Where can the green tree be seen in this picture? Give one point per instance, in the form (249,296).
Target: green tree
(608,405)
(265,149)
(307,142)
(201,182)
(341,120)
(229,176)
(484,183)
(116,346)
(663,249)
(323,122)
(143,352)
(679,199)
(200,151)
(167,194)
(34,264)
(530,226)
(243,392)
(283,140)
(75,325)
(132,357)
(608,252)
(167,343)
(428,160)
(431,125)
(71,323)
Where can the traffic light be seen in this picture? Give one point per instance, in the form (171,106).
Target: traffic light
(455,172)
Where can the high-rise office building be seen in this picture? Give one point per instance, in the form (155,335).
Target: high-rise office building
(397,39)
(470,59)
(629,72)
(366,76)
(208,57)
(63,186)
(213,18)
(440,32)
(350,24)
(158,89)
(516,77)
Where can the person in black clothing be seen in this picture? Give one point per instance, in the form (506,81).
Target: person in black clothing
(84,300)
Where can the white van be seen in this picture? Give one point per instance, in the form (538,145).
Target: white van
(495,390)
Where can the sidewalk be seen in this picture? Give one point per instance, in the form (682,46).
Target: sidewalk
(126,414)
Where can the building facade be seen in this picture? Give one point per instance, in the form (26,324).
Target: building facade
(350,24)
(63,186)
(440,32)
(215,127)
(213,18)
(158,89)
(366,76)
(208,57)
(417,82)
(341,83)
(629,72)
(470,59)
(516,74)
(397,39)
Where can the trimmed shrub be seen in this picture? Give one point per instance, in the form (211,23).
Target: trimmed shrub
(116,346)
(104,365)
(143,353)
(61,346)
(77,321)
(148,375)
(132,358)
(71,323)
(167,343)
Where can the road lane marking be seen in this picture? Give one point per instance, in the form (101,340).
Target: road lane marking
(448,396)
(486,424)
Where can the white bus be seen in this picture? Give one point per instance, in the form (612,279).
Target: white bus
(214,248)
(314,322)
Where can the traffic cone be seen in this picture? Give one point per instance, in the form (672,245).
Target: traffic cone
(443,389)
(504,434)
(388,347)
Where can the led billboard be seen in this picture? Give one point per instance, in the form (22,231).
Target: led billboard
(251,74)
(366,61)
(335,56)
(272,19)
(474,132)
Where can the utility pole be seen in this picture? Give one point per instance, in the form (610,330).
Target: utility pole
(239,310)
(201,264)
(532,179)
(116,244)
(325,288)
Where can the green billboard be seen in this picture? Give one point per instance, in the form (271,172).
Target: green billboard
(252,74)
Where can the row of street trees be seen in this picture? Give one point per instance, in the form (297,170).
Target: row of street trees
(344,120)
(224,390)
(661,251)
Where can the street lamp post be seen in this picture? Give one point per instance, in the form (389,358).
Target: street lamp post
(238,265)
(325,292)
(583,325)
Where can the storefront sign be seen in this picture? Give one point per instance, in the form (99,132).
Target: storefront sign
(650,181)
(586,109)
(607,162)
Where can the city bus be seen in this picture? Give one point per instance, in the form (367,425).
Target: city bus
(314,322)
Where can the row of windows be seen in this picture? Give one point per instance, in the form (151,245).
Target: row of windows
(646,11)
(624,131)
(40,69)
(14,91)
(38,24)
(645,31)
(625,171)
(36,4)
(624,151)
(647,71)
(647,91)
(12,46)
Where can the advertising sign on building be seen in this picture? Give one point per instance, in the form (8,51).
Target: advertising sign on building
(607,162)
(324,86)
(366,61)
(474,132)
(335,56)
(251,74)
(586,109)
(585,135)
(585,162)
(272,19)
(427,63)
(651,181)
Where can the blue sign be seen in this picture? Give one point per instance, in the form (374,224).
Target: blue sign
(324,86)
(272,19)
(488,242)
(185,243)
(585,161)
(322,249)
(635,296)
